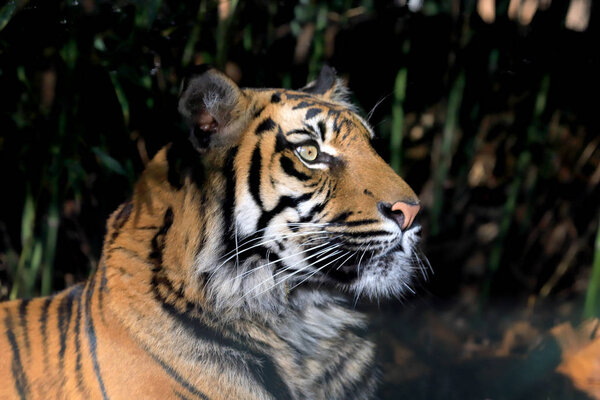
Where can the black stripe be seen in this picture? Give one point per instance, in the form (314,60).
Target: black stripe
(354,244)
(284,202)
(119,221)
(78,354)
(312,112)
(102,289)
(299,96)
(91,335)
(288,167)
(352,388)
(128,252)
(334,371)
(159,278)
(341,217)
(158,241)
(258,112)
(316,209)
(254,175)
(180,395)
(21,383)
(265,126)
(322,130)
(281,142)
(169,370)
(320,189)
(302,104)
(367,234)
(356,223)
(43,327)
(229,200)
(184,160)
(23,323)
(262,367)
(65,310)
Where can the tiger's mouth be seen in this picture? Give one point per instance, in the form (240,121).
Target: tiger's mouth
(352,267)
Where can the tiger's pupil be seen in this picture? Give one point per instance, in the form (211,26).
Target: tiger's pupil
(308,153)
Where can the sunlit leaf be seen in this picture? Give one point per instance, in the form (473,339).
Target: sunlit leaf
(109,162)
(146,13)
(99,44)
(50,238)
(7,12)
(28,218)
(69,53)
(121,96)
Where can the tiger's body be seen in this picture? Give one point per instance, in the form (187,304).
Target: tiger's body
(222,277)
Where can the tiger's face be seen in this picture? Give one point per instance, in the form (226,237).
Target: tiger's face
(313,204)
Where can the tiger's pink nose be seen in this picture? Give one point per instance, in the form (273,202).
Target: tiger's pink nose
(405,213)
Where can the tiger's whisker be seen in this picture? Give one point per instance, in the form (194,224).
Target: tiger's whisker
(275,236)
(277,283)
(307,258)
(245,273)
(319,269)
(261,244)
(251,238)
(287,268)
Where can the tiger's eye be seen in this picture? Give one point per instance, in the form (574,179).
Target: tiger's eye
(308,152)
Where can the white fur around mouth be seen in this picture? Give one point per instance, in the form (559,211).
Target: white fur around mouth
(392,273)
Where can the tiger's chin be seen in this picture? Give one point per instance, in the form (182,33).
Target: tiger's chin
(390,274)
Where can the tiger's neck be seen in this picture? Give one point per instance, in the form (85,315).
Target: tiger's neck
(162,265)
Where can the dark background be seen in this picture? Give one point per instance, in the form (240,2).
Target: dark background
(493,121)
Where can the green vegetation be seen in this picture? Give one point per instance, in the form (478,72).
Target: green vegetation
(488,122)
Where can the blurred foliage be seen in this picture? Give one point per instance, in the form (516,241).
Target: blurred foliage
(491,123)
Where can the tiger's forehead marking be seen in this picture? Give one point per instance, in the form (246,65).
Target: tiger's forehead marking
(326,119)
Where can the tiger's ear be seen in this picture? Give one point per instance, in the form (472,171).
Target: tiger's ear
(328,86)
(215,106)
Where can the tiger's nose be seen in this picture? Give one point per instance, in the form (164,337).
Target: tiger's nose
(402,213)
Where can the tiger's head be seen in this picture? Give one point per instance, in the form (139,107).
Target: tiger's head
(306,202)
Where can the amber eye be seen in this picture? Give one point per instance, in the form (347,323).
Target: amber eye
(308,152)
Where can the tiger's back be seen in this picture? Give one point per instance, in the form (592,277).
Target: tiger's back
(223,276)
(51,350)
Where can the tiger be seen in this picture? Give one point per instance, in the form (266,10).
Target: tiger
(233,270)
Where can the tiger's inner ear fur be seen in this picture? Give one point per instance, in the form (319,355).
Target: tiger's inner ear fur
(328,86)
(216,108)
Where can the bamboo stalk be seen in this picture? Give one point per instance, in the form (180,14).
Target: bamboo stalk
(398,121)
(591,307)
(445,154)
(534,133)
(33,271)
(121,98)
(190,45)
(50,239)
(27,245)
(397,133)
(316,59)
